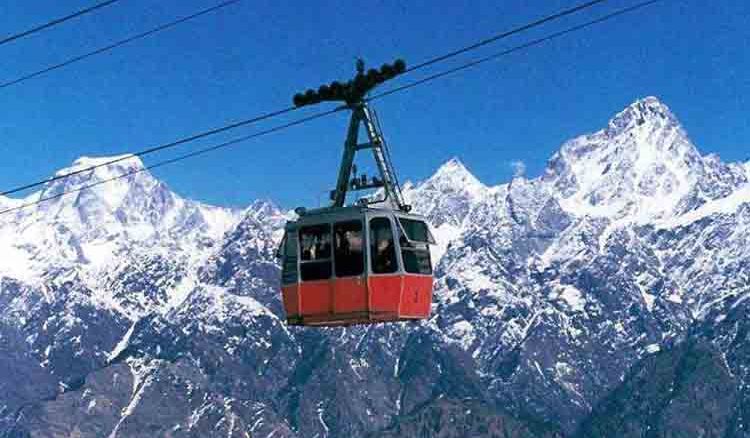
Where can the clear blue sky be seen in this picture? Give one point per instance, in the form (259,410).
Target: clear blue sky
(251,57)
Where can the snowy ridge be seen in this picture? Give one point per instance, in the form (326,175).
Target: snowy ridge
(727,205)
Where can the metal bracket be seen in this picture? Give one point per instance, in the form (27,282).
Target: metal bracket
(362,115)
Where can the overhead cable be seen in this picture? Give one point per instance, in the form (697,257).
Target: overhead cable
(55,22)
(506,34)
(514,49)
(117,44)
(151,150)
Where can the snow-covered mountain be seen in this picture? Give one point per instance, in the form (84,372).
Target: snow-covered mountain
(102,233)
(446,199)
(131,311)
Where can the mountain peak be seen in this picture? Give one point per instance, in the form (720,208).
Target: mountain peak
(447,196)
(642,161)
(455,170)
(646,111)
(652,102)
(452,165)
(121,172)
(97,187)
(99,161)
(453,176)
(126,162)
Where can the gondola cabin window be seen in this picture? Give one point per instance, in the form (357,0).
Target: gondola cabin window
(415,250)
(315,248)
(288,255)
(349,249)
(382,249)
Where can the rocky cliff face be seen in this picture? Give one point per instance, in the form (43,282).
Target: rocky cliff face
(608,297)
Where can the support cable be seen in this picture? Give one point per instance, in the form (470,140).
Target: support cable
(55,22)
(151,150)
(117,44)
(506,34)
(514,49)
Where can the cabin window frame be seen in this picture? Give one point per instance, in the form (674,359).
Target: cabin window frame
(430,238)
(289,254)
(396,247)
(328,259)
(417,247)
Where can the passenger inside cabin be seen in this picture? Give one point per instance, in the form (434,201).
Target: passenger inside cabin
(316,243)
(315,246)
(383,259)
(348,249)
(382,250)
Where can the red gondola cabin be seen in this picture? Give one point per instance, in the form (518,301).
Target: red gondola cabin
(354,265)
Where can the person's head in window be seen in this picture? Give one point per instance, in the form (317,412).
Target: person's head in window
(384,245)
(354,239)
(349,241)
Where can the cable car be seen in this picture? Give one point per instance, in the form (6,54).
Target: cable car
(356,264)
(363,263)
